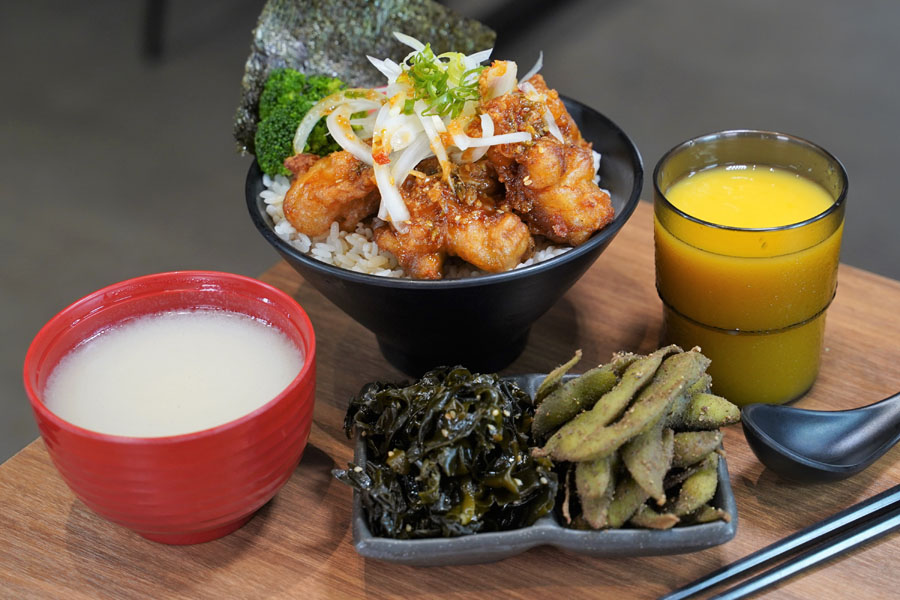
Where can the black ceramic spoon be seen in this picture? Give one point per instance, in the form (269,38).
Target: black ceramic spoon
(815,445)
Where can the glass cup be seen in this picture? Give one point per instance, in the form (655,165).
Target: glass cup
(753,299)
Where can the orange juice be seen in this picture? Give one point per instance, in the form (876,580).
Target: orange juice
(749,196)
(746,259)
(747,281)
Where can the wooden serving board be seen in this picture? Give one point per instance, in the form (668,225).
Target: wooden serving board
(300,545)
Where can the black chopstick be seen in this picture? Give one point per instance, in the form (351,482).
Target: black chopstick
(858,514)
(856,536)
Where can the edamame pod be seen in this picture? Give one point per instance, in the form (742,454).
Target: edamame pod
(571,398)
(607,408)
(638,374)
(676,477)
(554,377)
(583,439)
(650,519)
(708,411)
(693,446)
(699,488)
(576,395)
(708,514)
(595,484)
(648,458)
(675,418)
(702,385)
(592,477)
(579,524)
(627,499)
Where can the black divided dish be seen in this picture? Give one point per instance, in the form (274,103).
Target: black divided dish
(547,531)
(481,322)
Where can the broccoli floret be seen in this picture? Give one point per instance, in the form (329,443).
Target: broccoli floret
(321,86)
(287,96)
(320,141)
(283,86)
(275,139)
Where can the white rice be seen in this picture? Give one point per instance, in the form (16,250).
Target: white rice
(357,251)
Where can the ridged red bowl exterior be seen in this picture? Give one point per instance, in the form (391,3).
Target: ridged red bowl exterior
(188,488)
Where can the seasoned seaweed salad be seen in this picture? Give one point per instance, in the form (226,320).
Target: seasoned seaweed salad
(447,456)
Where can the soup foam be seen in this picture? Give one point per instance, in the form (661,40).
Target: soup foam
(172,373)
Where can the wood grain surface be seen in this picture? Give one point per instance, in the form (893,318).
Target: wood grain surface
(300,546)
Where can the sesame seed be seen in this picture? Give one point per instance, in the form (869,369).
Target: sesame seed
(358,469)
(543,481)
(445,433)
(517,480)
(496,412)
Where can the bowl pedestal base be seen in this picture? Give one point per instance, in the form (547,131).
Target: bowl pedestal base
(479,356)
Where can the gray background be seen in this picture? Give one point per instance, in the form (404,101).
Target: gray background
(112,166)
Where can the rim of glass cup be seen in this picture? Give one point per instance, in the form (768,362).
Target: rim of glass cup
(755,133)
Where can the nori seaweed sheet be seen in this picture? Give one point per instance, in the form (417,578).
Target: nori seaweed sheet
(333,37)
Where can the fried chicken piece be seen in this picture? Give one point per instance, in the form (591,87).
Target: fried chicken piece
(492,240)
(563,119)
(464,221)
(510,113)
(337,187)
(420,247)
(549,183)
(480,228)
(554,191)
(524,111)
(477,182)
(299,164)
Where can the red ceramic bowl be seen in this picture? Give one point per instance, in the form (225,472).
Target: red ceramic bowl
(189,488)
